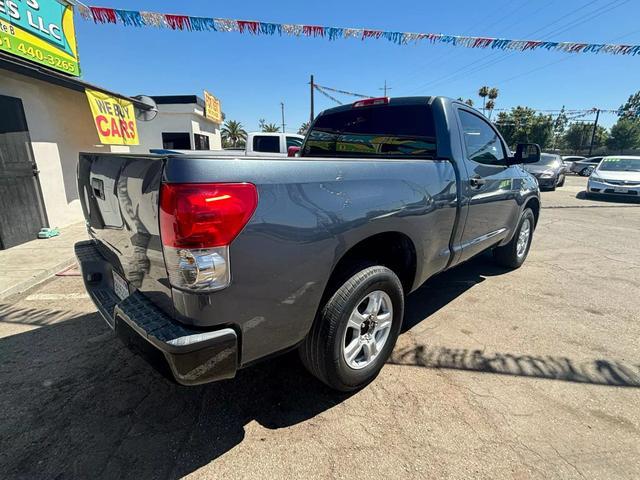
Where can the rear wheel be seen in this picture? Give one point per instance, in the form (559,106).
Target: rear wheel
(514,253)
(355,332)
(585,172)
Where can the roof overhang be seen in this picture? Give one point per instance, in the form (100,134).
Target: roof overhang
(23,67)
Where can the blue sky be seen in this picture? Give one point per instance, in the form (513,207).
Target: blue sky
(252,74)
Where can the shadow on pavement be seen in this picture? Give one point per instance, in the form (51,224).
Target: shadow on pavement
(595,372)
(444,288)
(602,200)
(76,402)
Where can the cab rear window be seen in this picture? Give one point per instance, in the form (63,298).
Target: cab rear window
(390,131)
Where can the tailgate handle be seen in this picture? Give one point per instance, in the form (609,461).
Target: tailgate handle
(98,187)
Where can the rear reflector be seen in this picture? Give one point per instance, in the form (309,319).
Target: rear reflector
(204,215)
(371,101)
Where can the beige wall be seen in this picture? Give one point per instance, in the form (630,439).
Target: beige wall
(60,126)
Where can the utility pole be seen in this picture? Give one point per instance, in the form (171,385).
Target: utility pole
(282,109)
(385,88)
(593,133)
(312,89)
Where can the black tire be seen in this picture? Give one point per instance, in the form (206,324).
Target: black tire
(507,256)
(585,172)
(561,184)
(322,350)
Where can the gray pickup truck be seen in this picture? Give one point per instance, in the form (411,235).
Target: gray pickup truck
(220,262)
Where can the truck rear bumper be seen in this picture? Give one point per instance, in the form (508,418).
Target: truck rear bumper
(194,356)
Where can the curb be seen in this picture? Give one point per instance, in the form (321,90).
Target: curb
(37,279)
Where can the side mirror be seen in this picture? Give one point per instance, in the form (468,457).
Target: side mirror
(292,151)
(526,153)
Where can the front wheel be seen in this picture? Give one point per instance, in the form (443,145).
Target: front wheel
(514,253)
(354,334)
(586,171)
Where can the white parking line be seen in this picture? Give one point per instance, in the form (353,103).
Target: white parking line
(57,296)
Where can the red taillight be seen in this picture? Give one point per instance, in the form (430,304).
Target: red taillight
(371,101)
(204,215)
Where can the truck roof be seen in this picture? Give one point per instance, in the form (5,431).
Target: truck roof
(392,101)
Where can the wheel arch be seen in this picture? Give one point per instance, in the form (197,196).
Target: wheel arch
(392,249)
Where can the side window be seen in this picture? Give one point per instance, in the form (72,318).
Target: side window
(294,142)
(482,141)
(266,143)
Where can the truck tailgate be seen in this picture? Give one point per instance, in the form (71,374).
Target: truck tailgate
(119,196)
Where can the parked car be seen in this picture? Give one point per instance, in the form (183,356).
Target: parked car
(569,159)
(586,166)
(616,175)
(218,263)
(549,171)
(258,144)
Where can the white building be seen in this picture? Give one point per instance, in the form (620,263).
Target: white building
(45,121)
(180,124)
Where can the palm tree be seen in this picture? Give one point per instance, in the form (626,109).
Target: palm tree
(483,93)
(493,94)
(233,134)
(491,104)
(267,127)
(303,128)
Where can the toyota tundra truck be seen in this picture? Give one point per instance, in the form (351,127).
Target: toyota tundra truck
(218,262)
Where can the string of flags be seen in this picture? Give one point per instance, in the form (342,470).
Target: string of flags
(133,18)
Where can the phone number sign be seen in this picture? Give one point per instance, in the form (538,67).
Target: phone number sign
(41,31)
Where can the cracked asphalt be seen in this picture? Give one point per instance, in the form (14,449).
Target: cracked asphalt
(527,374)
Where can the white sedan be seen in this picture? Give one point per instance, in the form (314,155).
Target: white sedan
(616,175)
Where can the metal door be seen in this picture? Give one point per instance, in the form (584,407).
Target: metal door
(22,211)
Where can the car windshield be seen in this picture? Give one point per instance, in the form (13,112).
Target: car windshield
(620,164)
(548,160)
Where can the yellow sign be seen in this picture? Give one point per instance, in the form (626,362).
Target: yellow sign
(40,31)
(212,108)
(114,118)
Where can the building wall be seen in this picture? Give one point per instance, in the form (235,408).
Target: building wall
(60,126)
(186,118)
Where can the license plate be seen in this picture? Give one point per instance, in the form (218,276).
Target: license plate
(621,190)
(120,286)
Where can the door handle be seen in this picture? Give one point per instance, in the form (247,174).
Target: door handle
(477,181)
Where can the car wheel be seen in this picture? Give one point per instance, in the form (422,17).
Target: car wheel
(585,172)
(561,183)
(514,253)
(356,330)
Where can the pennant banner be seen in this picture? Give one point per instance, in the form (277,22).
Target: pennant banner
(131,18)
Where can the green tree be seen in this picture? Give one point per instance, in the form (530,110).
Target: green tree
(578,137)
(631,108)
(267,127)
(303,128)
(625,134)
(468,101)
(523,125)
(233,134)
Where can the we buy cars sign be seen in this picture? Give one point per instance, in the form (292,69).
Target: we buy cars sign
(114,119)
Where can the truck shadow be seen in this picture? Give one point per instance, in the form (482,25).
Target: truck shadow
(77,403)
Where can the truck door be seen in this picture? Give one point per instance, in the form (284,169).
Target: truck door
(490,191)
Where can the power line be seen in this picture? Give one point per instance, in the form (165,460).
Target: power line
(321,90)
(465,70)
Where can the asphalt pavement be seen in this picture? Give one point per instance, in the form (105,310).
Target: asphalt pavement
(533,373)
